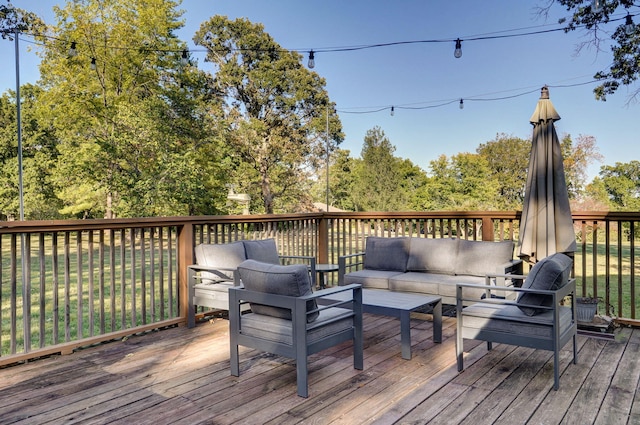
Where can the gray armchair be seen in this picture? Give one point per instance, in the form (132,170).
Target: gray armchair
(542,317)
(286,320)
(211,277)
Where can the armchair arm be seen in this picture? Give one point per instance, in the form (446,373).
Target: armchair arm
(557,295)
(218,271)
(355,260)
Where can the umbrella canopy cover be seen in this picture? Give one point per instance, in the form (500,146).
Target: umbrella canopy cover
(546,225)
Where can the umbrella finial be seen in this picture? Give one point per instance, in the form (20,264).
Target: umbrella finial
(544,92)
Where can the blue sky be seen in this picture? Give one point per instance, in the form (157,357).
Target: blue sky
(424,74)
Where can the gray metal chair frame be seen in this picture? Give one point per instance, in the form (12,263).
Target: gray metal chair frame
(559,336)
(301,347)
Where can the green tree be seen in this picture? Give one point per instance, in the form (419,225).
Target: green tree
(577,156)
(378,177)
(276,108)
(129,116)
(508,160)
(622,183)
(605,22)
(39,157)
(461,183)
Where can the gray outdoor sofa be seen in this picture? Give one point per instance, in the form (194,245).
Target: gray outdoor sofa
(431,266)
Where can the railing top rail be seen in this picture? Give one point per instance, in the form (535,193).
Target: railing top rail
(34,226)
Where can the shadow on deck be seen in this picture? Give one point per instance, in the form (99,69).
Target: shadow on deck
(181,376)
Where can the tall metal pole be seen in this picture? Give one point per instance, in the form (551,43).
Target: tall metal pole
(327,136)
(19,118)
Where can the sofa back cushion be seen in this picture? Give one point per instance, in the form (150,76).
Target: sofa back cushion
(263,250)
(386,253)
(479,258)
(433,255)
(292,281)
(550,273)
(226,256)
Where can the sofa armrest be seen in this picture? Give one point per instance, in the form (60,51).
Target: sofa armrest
(306,259)
(346,263)
(194,269)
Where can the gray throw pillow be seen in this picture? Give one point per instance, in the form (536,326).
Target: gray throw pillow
(292,281)
(479,258)
(263,250)
(389,254)
(225,256)
(550,273)
(434,255)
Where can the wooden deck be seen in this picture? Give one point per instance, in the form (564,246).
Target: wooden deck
(181,376)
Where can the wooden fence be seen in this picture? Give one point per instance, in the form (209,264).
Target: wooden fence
(72,283)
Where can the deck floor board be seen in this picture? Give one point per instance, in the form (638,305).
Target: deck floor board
(181,376)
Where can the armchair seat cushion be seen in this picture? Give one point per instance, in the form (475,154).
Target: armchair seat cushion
(508,319)
(281,330)
(292,281)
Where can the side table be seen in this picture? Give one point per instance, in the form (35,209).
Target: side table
(322,270)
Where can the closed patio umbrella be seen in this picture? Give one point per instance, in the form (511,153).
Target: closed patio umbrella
(546,225)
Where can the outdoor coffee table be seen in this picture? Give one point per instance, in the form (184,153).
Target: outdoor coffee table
(400,305)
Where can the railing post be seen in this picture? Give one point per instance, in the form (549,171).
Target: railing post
(323,240)
(185,258)
(487,229)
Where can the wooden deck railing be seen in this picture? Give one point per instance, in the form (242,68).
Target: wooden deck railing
(67,284)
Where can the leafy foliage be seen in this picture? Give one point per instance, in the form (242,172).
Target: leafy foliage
(625,46)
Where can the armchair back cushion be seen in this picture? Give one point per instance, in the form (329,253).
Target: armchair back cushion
(263,250)
(225,256)
(386,253)
(433,255)
(477,258)
(292,281)
(549,274)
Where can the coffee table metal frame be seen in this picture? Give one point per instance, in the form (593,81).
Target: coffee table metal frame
(400,305)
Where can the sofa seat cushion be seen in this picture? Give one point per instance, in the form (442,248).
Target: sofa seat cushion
(548,274)
(386,253)
(433,255)
(480,258)
(510,319)
(425,283)
(291,281)
(448,286)
(281,330)
(224,257)
(371,279)
(263,250)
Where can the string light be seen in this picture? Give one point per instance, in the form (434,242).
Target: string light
(629,27)
(72,50)
(185,57)
(392,111)
(93,64)
(461,104)
(596,5)
(312,60)
(458,51)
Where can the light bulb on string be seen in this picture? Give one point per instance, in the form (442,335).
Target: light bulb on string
(93,64)
(596,5)
(629,27)
(72,50)
(312,60)
(458,51)
(185,57)
(392,111)
(461,106)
